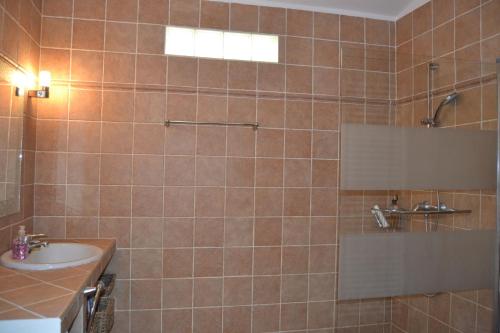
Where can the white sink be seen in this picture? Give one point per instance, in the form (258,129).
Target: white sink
(54,256)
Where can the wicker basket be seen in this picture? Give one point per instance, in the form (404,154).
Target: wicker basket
(104,317)
(109,283)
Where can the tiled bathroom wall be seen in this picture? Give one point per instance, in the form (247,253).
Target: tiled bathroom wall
(219,229)
(463,37)
(20,24)
(230,229)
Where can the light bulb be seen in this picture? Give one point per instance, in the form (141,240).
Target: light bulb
(29,81)
(45,78)
(17,79)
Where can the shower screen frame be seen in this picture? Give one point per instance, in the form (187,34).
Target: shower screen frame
(496,305)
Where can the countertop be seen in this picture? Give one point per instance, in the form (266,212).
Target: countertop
(52,293)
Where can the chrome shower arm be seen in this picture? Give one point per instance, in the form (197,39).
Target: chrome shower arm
(435,118)
(434,121)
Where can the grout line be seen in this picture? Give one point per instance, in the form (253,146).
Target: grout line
(226,131)
(134,110)
(280,323)
(252,308)
(20,26)
(68,106)
(337,215)
(193,252)
(19,307)
(100,133)
(312,65)
(311,142)
(229,276)
(164,171)
(198,26)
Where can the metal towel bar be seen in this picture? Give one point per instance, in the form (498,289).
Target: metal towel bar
(168,123)
(97,291)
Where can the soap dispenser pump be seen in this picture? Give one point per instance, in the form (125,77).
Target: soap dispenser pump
(20,246)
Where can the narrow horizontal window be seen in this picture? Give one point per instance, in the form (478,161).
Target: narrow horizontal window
(180,41)
(221,44)
(238,46)
(209,44)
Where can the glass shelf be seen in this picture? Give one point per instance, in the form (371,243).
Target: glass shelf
(426,212)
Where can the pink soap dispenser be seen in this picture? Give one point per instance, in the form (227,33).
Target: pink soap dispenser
(20,244)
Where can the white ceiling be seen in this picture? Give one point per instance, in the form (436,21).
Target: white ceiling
(377,9)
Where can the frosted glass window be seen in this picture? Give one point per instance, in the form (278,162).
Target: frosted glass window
(265,48)
(221,44)
(209,44)
(180,41)
(237,46)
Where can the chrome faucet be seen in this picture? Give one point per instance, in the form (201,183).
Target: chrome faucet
(34,241)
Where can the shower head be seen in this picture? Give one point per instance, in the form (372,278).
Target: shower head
(434,121)
(448,99)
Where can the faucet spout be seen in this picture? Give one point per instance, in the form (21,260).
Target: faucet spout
(36,244)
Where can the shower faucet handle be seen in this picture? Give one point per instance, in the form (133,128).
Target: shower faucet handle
(429,122)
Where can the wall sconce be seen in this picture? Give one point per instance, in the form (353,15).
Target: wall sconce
(24,82)
(44,79)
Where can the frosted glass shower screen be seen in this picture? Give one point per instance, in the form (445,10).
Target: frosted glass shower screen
(410,263)
(381,158)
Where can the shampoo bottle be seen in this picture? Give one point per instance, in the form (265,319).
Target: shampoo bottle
(20,245)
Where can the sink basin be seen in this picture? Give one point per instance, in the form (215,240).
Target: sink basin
(54,256)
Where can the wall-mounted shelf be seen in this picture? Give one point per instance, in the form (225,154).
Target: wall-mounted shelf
(423,208)
(426,212)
